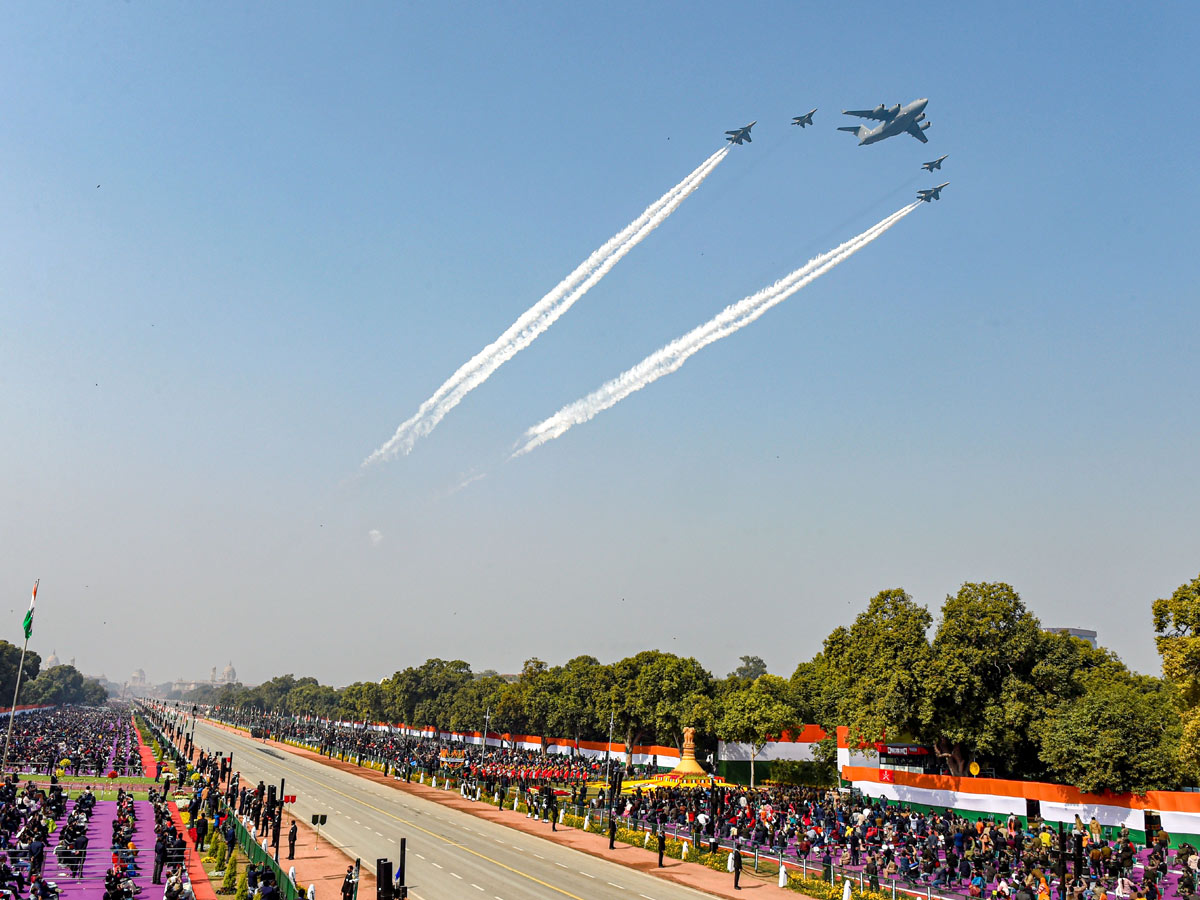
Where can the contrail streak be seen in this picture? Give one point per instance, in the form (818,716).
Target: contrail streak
(535,320)
(671,357)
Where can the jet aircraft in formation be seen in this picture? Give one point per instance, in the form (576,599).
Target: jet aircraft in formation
(933,193)
(893,120)
(741,134)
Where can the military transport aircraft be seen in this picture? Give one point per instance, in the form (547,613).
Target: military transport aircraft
(805,119)
(933,193)
(933,164)
(895,120)
(741,134)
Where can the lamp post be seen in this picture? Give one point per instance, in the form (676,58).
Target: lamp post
(612,718)
(278,823)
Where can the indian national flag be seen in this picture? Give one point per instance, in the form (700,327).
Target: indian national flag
(29,615)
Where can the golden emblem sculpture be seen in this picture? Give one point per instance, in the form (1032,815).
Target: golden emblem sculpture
(687,762)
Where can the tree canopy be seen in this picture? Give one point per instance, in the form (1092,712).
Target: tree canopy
(984,682)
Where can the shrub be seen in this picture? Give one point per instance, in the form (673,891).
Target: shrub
(230,882)
(823,890)
(243,888)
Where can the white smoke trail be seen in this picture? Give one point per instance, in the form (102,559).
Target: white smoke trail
(671,357)
(535,320)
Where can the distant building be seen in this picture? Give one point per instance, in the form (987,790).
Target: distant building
(228,675)
(1084,634)
(52,660)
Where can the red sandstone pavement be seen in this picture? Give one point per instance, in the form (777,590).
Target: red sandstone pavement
(692,875)
(149,763)
(320,862)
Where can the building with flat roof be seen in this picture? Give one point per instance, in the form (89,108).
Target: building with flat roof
(1084,634)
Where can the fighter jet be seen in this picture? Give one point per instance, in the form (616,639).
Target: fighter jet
(896,119)
(933,164)
(804,120)
(741,134)
(933,193)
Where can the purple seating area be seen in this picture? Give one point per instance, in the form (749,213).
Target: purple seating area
(89,885)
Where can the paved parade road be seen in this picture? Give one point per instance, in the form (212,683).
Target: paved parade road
(451,854)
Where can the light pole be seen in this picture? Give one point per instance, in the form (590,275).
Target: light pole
(612,718)
(487,717)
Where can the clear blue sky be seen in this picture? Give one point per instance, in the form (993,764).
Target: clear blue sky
(240,243)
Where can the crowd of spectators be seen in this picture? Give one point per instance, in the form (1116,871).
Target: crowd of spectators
(81,740)
(993,858)
(988,857)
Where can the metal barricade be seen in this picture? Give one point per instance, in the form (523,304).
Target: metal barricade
(257,855)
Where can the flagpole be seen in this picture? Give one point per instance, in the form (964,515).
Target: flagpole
(12,712)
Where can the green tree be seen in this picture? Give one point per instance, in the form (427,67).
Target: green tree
(539,686)
(472,701)
(309,697)
(362,702)
(63,685)
(1177,636)
(754,714)
(10,657)
(439,681)
(993,679)
(1121,735)
(750,669)
(868,676)
(579,682)
(508,709)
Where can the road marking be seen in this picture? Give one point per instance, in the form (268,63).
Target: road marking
(419,856)
(498,841)
(647,896)
(561,866)
(437,865)
(391,840)
(617,886)
(302,773)
(477,887)
(456,875)
(380,833)
(585,874)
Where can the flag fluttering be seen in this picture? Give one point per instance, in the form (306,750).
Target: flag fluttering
(28,623)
